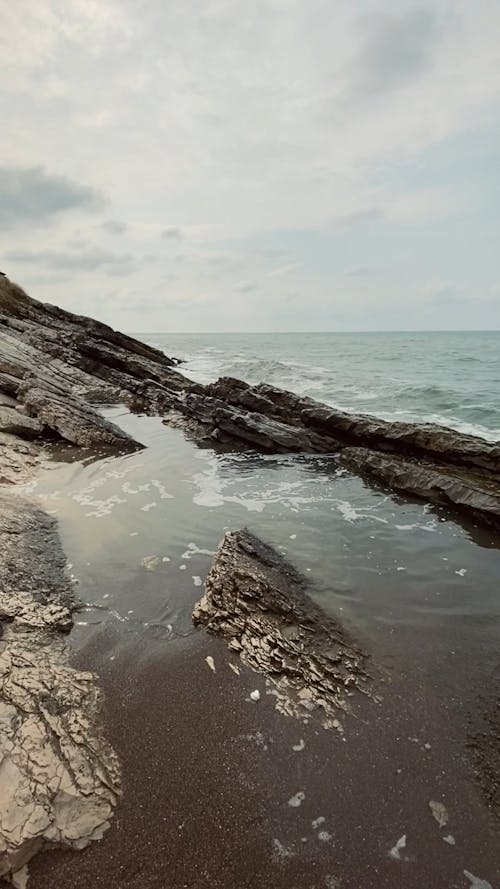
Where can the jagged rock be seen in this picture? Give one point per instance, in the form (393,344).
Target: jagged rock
(340,430)
(54,364)
(259,603)
(212,418)
(59,778)
(423,460)
(466,491)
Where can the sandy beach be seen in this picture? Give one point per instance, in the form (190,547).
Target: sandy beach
(211,778)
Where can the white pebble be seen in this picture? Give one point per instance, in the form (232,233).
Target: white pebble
(255,695)
(395,851)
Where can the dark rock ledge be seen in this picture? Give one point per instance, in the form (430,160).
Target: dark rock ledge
(259,603)
(56,366)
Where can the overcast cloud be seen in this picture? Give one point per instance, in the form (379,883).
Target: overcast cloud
(279,165)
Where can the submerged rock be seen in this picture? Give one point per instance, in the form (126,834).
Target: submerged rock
(259,603)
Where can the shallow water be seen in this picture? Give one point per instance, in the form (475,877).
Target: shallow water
(450,378)
(140,531)
(416,589)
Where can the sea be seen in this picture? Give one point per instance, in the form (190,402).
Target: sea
(449,378)
(415,585)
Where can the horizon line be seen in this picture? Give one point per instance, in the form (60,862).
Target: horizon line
(307,332)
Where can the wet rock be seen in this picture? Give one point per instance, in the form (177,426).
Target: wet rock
(59,778)
(54,365)
(466,491)
(341,430)
(422,460)
(259,603)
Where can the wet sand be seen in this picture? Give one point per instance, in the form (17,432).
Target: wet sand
(209,776)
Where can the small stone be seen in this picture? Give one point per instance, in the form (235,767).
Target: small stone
(150,562)
(255,695)
(395,852)
(439,812)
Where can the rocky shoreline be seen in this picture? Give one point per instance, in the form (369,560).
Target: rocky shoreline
(55,366)
(61,778)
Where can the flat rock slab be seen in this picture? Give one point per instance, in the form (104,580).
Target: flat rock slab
(259,603)
(59,778)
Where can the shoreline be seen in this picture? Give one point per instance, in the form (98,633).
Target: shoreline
(209,776)
(140,690)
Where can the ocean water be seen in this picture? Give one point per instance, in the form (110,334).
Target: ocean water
(452,379)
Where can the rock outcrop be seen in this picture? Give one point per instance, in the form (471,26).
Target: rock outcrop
(259,603)
(56,366)
(437,464)
(59,779)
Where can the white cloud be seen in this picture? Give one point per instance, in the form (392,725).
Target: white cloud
(226,127)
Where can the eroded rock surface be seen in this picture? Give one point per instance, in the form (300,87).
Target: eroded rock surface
(59,778)
(54,365)
(259,603)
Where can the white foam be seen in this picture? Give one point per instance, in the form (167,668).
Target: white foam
(209,488)
(193,550)
(421,526)
(351,514)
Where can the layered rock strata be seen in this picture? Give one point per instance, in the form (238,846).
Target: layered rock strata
(259,603)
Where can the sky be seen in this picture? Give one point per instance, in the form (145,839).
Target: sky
(215,165)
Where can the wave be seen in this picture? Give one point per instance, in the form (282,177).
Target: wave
(361,383)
